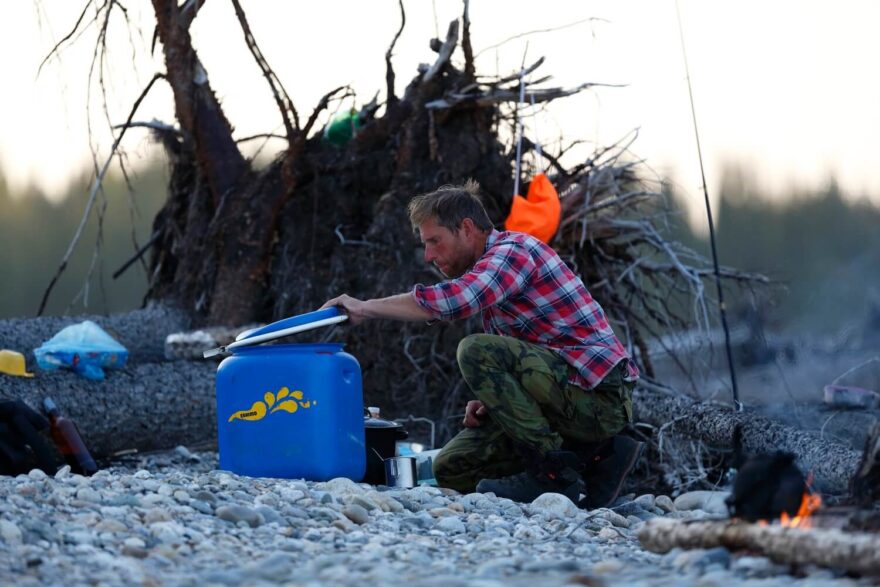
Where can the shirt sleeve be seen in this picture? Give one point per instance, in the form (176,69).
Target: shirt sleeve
(501,273)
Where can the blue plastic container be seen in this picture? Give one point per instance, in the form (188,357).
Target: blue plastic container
(292,411)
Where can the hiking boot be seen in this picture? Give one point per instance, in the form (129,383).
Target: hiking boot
(604,476)
(556,474)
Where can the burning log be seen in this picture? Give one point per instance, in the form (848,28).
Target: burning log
(832,465)
(851,551)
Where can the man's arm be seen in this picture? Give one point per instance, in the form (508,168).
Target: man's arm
(399,307)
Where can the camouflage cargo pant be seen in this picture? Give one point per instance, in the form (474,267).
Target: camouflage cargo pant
(532,408)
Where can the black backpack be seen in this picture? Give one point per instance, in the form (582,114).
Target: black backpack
(25,441)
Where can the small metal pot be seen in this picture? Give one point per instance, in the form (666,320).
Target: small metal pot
(400,472)
(381,438)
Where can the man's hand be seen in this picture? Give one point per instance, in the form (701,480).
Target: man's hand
(474,414)
(400,307)
(353,307)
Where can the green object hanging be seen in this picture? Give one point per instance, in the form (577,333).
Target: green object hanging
(343,127)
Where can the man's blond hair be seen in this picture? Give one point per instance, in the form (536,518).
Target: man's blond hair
(450,205)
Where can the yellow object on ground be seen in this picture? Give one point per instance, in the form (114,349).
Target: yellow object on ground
(12,363)
(538,213)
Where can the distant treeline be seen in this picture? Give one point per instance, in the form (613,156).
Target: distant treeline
(35,233)
(823,247)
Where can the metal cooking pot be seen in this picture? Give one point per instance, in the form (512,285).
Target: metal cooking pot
(400,472)
(381,438)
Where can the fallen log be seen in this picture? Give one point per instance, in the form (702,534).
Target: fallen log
(854,552)
(865,487)
(145,406)
(831,464)
(142,332)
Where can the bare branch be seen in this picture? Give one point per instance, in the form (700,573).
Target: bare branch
(265,135)
(66,37)
(445,51)
(497,96)
(152,124)
(391,98)
(515,76)
(538,31)
(469,70)
(282,99)
(322,104)
(93,194)
(189,11)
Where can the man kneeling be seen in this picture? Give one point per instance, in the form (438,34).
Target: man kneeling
(553,384)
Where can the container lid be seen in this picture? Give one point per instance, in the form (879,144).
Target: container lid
(315,319)
(282,328)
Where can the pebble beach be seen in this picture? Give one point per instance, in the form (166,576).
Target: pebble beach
(173,518)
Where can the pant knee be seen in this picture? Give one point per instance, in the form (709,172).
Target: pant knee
(451,474)
(478,353)
(469,348)
(441,466)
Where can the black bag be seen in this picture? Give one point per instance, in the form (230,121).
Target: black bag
(25,442)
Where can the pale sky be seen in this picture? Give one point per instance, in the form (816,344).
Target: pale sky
(786,87)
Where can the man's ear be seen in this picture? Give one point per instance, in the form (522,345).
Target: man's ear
(468,226)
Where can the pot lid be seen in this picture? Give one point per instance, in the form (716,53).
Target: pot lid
(380,423)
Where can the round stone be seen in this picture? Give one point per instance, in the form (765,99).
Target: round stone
(356,513)
(154,515)
(451,525)
(10,533)
(239,513)
(645,501)
(205,496)
(553,506)
(664,502)
(364,502)
(37,475)
(88,494)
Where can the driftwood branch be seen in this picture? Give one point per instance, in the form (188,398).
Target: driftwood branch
(282,99)
(865,487)
(497,96)
(515,76)
(391,98)
(445,51)
(850,551)
(189,10)
(469,71)
(264,135)
(155,125)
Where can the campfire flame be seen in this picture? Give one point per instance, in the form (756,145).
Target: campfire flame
(803,519)
(810,502)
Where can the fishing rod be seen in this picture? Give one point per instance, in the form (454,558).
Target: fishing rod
(736,403)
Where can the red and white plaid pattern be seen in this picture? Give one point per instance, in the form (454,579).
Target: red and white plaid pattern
(524,290)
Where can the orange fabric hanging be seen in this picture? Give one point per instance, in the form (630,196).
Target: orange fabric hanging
(538,213)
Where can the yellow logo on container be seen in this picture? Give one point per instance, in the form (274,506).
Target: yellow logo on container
(260,408)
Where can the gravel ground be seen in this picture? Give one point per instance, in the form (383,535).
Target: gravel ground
(174,519)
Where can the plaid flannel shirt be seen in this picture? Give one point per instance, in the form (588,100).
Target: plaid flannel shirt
(525,290)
